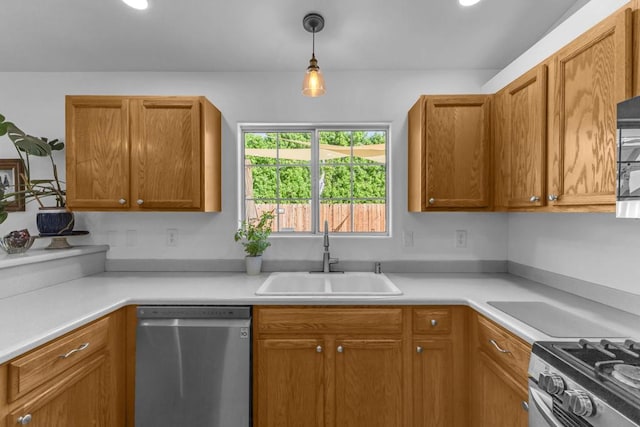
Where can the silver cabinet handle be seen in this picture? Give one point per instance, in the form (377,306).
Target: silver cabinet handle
(82,346)
(525,405)
(432,201)
(25,419)
(340,349)
(534,199)
(419,349)
(319,349)
(552,197)
(434,322)
(139,201)
(501,350)
(122,201)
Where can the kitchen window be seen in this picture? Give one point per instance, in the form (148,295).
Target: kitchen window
(309,175)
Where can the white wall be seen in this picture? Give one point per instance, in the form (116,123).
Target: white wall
(35,102)
(595,247)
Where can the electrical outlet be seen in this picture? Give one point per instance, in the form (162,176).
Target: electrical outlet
(407,238)
(172,237)
(461,239)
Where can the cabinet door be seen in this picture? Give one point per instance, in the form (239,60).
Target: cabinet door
(527,114)
(289,384)
(433,400)
(368,383)
(457,151)
(500,151)
(166,153)
(500,397)
(590,76)
(97,152)
(80,399)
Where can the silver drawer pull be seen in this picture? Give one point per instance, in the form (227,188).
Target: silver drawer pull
(434,322)
(25,419)
(319,349)
(419,349)
(340,349)
(501,350)
(82,346)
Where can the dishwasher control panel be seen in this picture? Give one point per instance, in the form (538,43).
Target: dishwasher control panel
(193,312)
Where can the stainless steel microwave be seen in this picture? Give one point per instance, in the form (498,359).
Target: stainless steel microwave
(628,159)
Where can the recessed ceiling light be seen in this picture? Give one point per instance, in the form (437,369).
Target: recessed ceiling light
(467,2)
(137,4)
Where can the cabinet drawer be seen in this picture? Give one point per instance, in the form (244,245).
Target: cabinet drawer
(504,347)
(29,371)
(329,320)
(432,320)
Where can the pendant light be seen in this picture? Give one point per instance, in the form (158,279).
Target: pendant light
(313,84)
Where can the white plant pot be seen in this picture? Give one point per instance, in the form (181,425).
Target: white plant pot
(254,265)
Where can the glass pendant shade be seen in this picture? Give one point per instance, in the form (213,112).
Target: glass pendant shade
(137,4)
(313,84)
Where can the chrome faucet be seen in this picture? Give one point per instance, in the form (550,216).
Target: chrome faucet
(326,257)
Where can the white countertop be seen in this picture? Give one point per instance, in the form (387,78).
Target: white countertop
(33,318)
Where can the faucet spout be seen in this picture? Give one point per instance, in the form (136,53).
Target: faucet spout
(326,236)
(326,257)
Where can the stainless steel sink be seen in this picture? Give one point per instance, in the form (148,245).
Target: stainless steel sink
(328,284)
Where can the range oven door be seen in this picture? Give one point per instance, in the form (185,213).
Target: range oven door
(540,408)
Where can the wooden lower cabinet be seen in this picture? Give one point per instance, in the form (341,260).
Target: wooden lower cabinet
(291,378)
(498,367)
(433,388)
(78,400)
(369,380)
(82,385)
(328,366)
(500,396)
(354,367)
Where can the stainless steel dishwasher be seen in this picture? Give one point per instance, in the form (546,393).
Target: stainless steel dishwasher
(193,366)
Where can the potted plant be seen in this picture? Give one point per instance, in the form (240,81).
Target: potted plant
(57,221)
(255,233)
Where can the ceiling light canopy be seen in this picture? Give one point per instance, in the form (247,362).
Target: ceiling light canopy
(313,83)
(468,2)
(137,4)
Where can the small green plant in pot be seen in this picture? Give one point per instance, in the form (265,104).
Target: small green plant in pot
(254,234)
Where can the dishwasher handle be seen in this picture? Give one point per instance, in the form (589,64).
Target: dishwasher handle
(194,323)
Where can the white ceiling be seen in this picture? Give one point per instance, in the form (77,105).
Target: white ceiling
(254,35)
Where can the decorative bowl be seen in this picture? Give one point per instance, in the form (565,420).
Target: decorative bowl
(17,242)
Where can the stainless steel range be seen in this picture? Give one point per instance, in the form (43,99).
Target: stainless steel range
(585,383)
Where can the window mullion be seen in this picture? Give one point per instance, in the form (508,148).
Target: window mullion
(315,175)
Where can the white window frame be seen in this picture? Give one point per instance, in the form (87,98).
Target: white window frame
(314,129)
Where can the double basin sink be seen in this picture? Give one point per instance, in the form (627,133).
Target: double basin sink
(328,284)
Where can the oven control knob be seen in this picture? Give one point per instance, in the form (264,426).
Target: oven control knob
(553,384)
(581,404)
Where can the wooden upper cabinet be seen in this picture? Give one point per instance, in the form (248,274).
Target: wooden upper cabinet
(526,123)
(143,153)
(588,78)
(165,138)
(449,149)
(97,153)
(500,151)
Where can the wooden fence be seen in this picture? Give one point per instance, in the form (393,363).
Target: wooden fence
(367,218)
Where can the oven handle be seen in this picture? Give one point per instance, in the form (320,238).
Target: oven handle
(536,396)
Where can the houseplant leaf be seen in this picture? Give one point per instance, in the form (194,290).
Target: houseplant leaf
(27,143)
